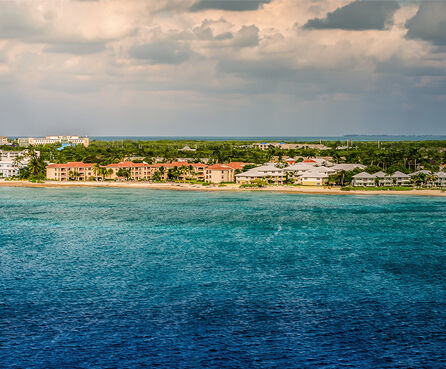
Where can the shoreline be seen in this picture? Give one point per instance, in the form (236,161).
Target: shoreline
(228,187)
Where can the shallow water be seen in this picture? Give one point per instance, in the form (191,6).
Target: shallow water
(106,278)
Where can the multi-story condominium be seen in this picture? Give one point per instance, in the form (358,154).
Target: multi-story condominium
(72,170)
(268,172)
(219,173)
(400,179)
(440,179)
(8,169)
(382,179)
(363,179)
(3,140)
(77,140)
(12,161)
(137,171)
(6,155)
(313,178)
(237,165)
(297,170)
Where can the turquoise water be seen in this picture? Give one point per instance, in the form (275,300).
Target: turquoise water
(120,278)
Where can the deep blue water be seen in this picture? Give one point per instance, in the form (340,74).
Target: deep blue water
(274,138)
(120,278)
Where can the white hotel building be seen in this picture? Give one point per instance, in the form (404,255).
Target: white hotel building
(12,161)
(77,140)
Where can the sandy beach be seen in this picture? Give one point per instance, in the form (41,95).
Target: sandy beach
(226,187)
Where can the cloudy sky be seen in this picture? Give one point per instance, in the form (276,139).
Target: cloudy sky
(222,67)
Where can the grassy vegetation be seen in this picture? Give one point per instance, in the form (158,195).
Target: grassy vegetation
(396,188)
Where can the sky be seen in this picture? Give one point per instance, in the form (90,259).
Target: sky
(222,67)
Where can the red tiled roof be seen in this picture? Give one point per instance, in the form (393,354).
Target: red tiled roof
(236,164)
(185,163)
(309,161)
(179,164)
(127,164)
(219,167)
(72,164)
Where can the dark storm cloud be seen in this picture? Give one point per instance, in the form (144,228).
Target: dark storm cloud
(232,5)
(161,52)
(429,23)
(359,15)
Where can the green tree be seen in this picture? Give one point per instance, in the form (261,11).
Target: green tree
(123,173)
(371,169)
(36,168)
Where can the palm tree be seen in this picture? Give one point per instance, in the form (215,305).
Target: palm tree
(183,171)
(103,172)
(162,170)
(18,161)
(36,166)
(97,171)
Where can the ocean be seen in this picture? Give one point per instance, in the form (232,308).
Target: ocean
(134,278)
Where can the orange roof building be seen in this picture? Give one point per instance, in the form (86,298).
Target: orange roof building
(219,173)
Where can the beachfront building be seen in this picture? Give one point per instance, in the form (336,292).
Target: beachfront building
(72,171)
(400,179)
(382,179)
(313,178)
(77,140)
(3,140)
(363,179)
(268,172)
(237,165)
(8,169)
(12,161)
(133,171)
(440,179)
(136,171)
(219,173)
(297,170)
(144,171)
(188,170)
